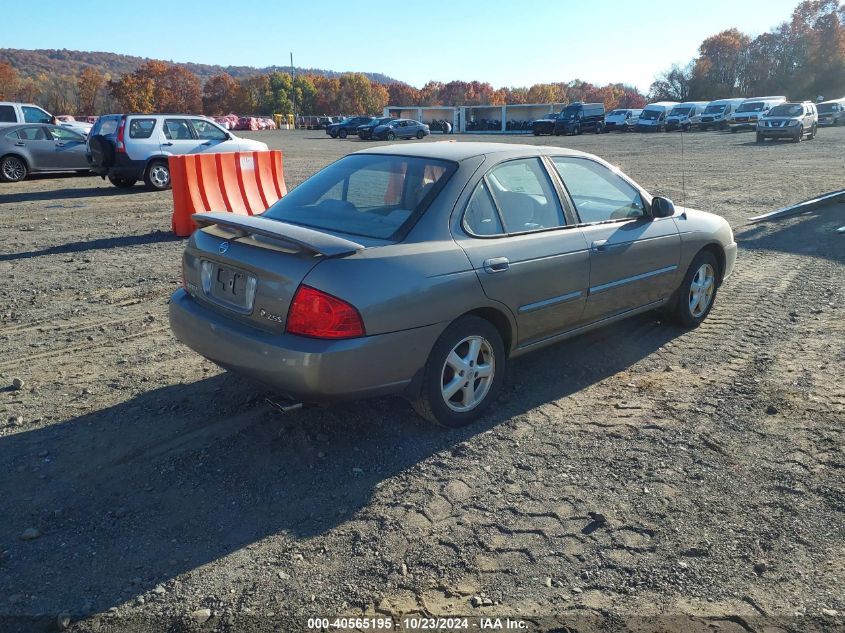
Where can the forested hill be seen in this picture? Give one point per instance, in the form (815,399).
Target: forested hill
(32,63)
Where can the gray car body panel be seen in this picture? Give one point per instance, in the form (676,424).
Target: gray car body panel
(44,155)
(409,291)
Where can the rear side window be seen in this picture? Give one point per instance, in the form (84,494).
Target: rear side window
(64,134)
(34,115)
(7,114)
(365,194)
(525,196)
(141,128)
(177,130)
(481,217)
(33,133)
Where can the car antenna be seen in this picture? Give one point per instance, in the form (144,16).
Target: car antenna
(683,174)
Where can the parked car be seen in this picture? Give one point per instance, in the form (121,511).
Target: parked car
(749,111)
(365,131)
(791,120)
(401,128)
(622,120)
(831,112)
(653,116)
(482,252)
(131,147)
(13,113)
(545,125)
(347,126)
(685,116)
(38,148)
(577,118)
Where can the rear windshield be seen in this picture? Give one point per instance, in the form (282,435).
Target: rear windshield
(826,108)
(105,126)
(365,194)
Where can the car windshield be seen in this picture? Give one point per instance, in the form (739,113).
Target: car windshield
(617,113)
(787,109)
(569,112)
(680,111)
(754,106)
(714,109)
(371,195)
(651,115)
(826,108)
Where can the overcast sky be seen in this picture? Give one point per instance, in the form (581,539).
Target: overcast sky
(530,42)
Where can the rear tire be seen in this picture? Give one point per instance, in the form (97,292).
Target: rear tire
(463,373)
(157,176)
(390,136)
(697,292)
(13,169)
(760,138)
(343,133)
(420,134)
(333,134)
(121,182)
(813,131)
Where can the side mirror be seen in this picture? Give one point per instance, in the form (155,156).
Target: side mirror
(662,207)
(228,137)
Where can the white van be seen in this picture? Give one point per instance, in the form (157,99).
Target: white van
(831,112)
(716,113)
(685,115)
(623,119)
(653,116)
(12,113)
(746,114)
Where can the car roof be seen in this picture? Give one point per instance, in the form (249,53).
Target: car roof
(459,151)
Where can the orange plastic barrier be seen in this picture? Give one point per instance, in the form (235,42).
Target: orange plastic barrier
(239,182)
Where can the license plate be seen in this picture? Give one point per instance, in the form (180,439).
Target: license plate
(231,286)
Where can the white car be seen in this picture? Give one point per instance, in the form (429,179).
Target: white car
(685,116)
(716,113)
(132,147)
(14,113)
(653,116)
(748,112)
(621,119)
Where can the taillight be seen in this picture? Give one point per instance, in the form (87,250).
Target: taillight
(119,145)
(319,315)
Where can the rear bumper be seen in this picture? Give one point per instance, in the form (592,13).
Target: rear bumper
(123,168)
(310,370)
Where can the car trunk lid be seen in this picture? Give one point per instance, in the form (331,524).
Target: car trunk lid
(250,267)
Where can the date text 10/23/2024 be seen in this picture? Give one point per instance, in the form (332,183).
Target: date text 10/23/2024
(416,623)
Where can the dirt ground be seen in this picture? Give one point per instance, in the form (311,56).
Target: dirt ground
(638,478)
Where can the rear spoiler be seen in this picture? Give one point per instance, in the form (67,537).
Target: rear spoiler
(309,239)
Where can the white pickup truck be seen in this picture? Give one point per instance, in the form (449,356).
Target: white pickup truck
(15,113)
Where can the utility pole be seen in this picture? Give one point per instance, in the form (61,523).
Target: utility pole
(293,88)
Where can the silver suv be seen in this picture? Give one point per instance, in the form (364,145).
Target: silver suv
(130,147)
(789,120)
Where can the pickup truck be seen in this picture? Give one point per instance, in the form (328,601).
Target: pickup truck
(16,113)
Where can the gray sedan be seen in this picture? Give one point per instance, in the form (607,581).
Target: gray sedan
(35,148)
(401,128)
(423,270)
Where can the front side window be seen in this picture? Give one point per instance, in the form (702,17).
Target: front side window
(525,196)
(35,115)
(598,193)
(141,128)
(207,131)
(370,195)
(7,114)
(66,135)
(177,130)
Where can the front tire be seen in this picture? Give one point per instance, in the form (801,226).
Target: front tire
(420,134)
(343,133)
(697,292)
(157,176)
(390,136)
(813,131)
(463,374)
(799,136)
(760,137)
(13,169)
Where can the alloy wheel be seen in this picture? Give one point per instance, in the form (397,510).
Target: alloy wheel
(467,374)
(701,290)
(160,176)
(14,169)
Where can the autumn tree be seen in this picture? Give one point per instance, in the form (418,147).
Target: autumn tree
(9,82)
(90,86)
(158,87)
(403,94)
(220,94)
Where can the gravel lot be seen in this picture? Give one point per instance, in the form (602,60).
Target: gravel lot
(638,478)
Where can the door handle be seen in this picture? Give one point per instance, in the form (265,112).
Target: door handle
(599,246)
(207,143)
(167,144)
(496,264)
(20,144)
(60,144)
